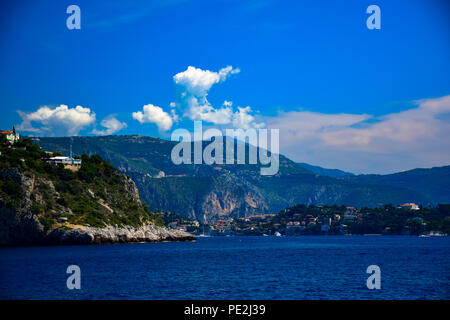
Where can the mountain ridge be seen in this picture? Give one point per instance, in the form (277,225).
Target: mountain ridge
(211,192)
(431,182)
(334,173)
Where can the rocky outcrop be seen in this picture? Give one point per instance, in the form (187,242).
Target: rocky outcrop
(230,201)
(205,199)
(45,205)
(114,234)
(17,229)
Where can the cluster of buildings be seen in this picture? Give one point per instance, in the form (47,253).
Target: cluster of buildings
(184,225)
(68,162)
(255,224)
(11,135)
(223,227)
(322,220)
(298,223)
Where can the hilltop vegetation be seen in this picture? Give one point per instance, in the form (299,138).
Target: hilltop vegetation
(96,195)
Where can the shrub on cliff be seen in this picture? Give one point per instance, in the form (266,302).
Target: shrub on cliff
(95,195)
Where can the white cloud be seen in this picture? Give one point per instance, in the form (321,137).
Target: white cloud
(175,116)
(201,109)
(57,121)
(395,131)
(193,86)
(411,138)
(154,114)
(195,83)
(302,125)
(244,120)
(111,124)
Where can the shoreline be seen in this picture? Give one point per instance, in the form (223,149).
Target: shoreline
(82,238)
(109,235)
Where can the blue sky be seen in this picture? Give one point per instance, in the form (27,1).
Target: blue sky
(293,63)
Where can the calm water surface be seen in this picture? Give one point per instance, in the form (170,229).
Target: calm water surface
(308,267)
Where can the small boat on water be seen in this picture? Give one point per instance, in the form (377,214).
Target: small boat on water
(203,235)
(277,234)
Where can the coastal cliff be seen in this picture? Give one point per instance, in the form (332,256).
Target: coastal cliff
(41,203)
(27,230)
(205,199)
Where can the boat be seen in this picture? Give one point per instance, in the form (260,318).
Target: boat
(203,235)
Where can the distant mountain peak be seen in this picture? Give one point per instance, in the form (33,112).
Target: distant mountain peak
(334,173)
(208,193)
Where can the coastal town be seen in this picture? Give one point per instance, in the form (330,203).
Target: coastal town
(404,219)
(385,219)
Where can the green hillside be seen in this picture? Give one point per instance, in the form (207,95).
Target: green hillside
(207,193)
(96,195)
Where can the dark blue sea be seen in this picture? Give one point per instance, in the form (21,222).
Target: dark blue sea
(305,267)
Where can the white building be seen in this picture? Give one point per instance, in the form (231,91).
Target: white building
(64,161)
(410,206)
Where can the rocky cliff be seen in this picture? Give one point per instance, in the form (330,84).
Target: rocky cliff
(46,204)
(17,229)
(205,199)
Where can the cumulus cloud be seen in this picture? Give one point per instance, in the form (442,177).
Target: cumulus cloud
(244,120)
(201,109)
(154,114)
(56,121)
(363,143)
(111,124)
(197,82)
(194,85)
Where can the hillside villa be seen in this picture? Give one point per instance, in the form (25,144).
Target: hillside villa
(67,162)
(11,135)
